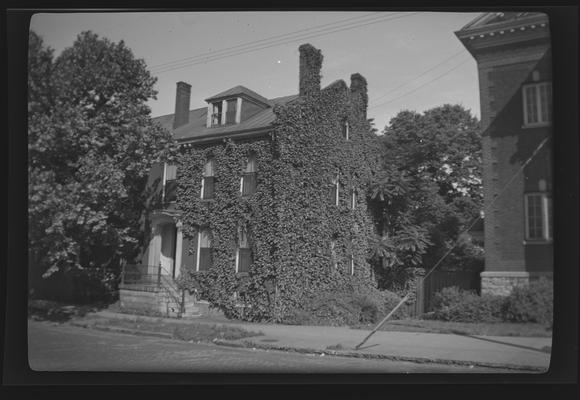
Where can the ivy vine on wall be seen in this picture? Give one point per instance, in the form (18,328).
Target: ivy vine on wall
(291,219)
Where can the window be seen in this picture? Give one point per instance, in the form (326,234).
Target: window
(537,103)
(248,181)
(169,183)
(216,116)
(349,267)
(538,208)
(334,190)
(244,257)
(231,111)
(204,250)
(207,182)
(345,130)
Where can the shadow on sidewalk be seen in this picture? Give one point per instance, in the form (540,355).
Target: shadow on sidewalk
(505,343)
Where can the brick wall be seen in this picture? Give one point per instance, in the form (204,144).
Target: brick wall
(506,146)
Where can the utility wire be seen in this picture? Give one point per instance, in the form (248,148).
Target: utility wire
(169,63)
(536,151)
(420,75)
(421,86)
(277,43)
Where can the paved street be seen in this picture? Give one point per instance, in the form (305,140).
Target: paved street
(62,347)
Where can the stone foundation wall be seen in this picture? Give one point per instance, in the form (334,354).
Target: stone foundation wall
(502,283)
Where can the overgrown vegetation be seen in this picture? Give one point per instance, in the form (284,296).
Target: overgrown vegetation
(91,143)
(426,192)
(531,303)
(302,243)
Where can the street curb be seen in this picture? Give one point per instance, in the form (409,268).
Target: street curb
(123,330)
(249,344)
(418,360)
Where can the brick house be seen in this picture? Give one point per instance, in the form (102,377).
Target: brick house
(233,121)
(513,56)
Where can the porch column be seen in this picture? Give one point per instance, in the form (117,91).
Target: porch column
(154,246)
(178,247)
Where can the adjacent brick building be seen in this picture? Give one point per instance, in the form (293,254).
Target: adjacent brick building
(513,56)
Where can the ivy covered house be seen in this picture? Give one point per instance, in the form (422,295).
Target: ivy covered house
(265,204)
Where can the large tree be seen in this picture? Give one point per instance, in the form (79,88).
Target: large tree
(427,192)
(91,143)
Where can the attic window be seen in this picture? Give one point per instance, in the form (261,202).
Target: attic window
(216,116)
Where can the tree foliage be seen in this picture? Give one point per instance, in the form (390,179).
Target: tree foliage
(91,143)
(427,191)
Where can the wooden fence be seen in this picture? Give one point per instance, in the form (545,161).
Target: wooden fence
(437,280)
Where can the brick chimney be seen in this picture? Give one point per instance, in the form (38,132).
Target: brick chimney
(358,87)
(309,74)
(182,98)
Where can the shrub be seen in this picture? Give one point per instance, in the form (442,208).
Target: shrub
(352,306)
(532,303)
(454,304)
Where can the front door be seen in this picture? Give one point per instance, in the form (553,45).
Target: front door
(167,256)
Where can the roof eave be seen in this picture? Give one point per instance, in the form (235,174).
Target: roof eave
(242,134)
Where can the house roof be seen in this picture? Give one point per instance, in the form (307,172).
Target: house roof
(490,30)
(196,128)
(491,18)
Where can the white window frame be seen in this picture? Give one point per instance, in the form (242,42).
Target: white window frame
(336,184)
(165,181)
(538,106)
(346,130)
(199,230)
(353,199)
(351,264)
(238,251)
(546,218)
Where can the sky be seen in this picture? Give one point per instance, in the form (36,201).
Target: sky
(411,60)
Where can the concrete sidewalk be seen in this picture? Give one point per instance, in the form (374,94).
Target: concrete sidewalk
(522,354)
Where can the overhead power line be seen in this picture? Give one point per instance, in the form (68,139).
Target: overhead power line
(280,42)
(420,75)
(421,86)
(209,53)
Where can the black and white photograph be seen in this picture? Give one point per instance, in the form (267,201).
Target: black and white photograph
(291,192)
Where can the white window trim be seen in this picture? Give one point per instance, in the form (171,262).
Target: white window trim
(536,86)
(337,188)
(545,219)
(198,250)
(237,258)
(353,199)
(164,181)
(351,264)
(347,130)
(202,186)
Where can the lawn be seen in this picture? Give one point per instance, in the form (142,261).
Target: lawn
(465,328)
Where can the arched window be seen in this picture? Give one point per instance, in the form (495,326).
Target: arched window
(204,249)
(207,182)
(248,181)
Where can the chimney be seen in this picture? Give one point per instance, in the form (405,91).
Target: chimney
(309,74)
(182,98)
(358,86)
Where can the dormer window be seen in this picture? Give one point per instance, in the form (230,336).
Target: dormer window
(216,115)
(231,111)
